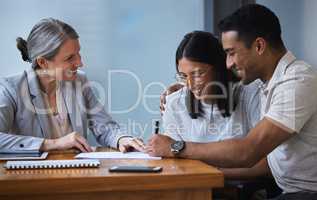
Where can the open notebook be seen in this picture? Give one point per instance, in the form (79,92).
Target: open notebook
(51,164)
(117,155)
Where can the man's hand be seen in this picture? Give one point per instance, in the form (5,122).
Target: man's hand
(171,89)
(72,140)
(160,145)
(126,144)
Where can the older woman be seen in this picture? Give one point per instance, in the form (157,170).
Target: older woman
(51,105)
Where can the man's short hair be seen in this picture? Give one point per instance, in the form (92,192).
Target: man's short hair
(252,21)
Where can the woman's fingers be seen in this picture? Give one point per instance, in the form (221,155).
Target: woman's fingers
(139,142)
(79,146)
(83,142)
(123,148)
(163,101)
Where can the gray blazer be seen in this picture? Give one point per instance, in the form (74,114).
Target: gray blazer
(24,121)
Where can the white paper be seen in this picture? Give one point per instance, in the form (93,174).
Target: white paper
(117,155)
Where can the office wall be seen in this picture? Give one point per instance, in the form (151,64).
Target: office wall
(298,20)
(309,31)
(137,38)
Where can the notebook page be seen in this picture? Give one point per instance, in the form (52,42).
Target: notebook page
(117,155)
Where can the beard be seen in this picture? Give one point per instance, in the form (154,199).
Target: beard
(245,77)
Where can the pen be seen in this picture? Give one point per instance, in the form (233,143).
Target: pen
(157,127)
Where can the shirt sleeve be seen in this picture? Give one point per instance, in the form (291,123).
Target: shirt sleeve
(293,100)
(106,130)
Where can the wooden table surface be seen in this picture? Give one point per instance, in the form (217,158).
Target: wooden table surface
(180,179)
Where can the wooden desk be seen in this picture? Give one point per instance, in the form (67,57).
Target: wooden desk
(180,179)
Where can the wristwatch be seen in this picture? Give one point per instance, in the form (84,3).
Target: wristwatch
(177,147)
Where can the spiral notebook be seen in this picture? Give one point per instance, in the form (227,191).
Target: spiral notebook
(52,164)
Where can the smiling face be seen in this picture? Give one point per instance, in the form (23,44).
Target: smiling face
(242,60)
(66,62)
(197,76)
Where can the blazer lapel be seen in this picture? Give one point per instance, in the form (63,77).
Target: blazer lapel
(38,103)
(71,99)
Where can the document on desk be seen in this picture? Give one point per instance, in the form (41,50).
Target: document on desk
(117,155)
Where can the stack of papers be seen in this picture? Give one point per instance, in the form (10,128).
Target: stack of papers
(117,155)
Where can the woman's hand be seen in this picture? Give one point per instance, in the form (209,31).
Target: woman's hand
(171,89)
(72,140)
(126,144)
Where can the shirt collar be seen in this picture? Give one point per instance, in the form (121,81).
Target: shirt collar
(279,71)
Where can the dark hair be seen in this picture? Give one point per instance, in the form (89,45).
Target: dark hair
(252,21)
(200,46)
(22,46)
(45,39)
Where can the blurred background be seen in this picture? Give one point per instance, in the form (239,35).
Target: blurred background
(128,47)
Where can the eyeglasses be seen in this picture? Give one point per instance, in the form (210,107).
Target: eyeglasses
(195,76)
